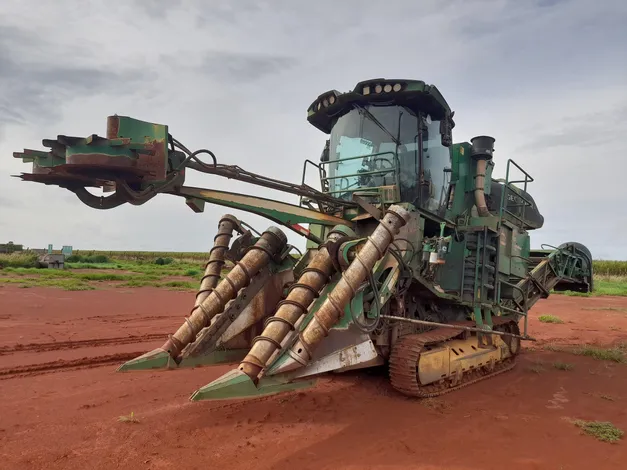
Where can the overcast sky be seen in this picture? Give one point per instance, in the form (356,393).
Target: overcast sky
(546,78)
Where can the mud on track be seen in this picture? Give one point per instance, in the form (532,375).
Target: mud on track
(61,398)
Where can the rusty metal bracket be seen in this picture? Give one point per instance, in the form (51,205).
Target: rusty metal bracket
(369,208)
(238,246)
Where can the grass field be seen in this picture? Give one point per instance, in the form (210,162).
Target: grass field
(86,270)
(89,271)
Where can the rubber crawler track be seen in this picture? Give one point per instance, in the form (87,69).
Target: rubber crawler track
(406,353)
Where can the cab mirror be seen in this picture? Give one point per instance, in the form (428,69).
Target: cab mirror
(446,130)
(325,153)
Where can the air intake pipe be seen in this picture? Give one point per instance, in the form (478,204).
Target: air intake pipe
(482,150)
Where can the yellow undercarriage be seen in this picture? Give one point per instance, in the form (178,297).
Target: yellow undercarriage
(452,359)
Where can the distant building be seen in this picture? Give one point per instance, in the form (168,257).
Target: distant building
(10,247)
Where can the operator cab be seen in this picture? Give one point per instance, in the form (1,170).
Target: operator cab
(387,136)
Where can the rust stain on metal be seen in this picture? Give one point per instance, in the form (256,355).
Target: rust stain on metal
(300,296)
(349,357)
(333,307)
(154,160)
(213,268)
(113,127)
(101,160)
(271,242)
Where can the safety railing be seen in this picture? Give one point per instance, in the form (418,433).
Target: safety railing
(321,174)
(328,181)
(524,310)
(508,189)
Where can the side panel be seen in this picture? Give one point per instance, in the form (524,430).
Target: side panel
(514,251)
(505,248)
(319,231)
(520,253)
(450,274)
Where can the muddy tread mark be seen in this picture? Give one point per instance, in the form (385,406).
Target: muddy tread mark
(86,343)
(406,353)
(63,365)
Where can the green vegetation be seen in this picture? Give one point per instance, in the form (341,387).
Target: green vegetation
(604,285)
(550,319)
(142,268)
(536,368)
(150,256)
(92,270)
(182,285)
(615,354)
(23,259)
(610,278)
(602,430)
(610,268)
(65,284)
(94,259)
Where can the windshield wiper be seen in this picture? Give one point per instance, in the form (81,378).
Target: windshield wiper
(376,121)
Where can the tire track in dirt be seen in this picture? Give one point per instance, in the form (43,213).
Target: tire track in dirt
(124,318)
(65,365)
(86,343)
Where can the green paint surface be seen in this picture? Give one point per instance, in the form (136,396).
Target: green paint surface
(236,384)
(155,359)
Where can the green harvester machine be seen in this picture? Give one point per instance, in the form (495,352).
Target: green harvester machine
(417,258)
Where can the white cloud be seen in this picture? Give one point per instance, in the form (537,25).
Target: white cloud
(545,78)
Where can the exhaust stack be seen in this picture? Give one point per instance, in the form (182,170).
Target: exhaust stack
(482,150)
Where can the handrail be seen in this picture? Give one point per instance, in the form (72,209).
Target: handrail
(507,186)
(374,172)
(527,175)
(321,170)
(362,188)
(358,157)
(395,170)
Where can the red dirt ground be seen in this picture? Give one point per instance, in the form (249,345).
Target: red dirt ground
(61,398)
